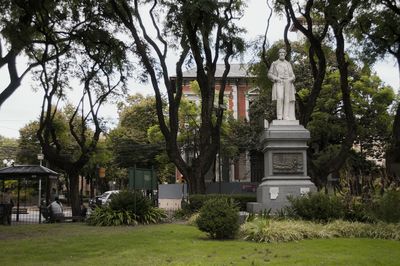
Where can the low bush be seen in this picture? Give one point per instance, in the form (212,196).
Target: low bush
(127,208)
(196,201)
(105,216)
(387,207)
(323,208)
(357,211)
(267,230)
(316,207)
(219,218)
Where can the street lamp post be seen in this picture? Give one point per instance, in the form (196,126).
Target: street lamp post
(40,157)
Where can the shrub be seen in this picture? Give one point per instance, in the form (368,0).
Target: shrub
(128,208)
(105,216)
(131,201)
(356,210)
(316,207)
(219,218)
(387,208)
(196,201)
(323,207)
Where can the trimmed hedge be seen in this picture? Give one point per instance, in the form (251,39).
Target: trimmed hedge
(196,201)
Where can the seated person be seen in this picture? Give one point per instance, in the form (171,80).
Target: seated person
(56,209)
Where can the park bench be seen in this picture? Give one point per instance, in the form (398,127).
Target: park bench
(49,218)
(21,211)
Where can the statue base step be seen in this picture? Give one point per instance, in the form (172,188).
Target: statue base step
(272,194)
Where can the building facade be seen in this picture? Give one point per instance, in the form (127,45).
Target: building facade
(239,95)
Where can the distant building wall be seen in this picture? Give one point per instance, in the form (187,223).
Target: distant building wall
(170,196)
(239,92)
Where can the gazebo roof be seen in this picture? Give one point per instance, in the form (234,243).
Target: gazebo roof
(29,171)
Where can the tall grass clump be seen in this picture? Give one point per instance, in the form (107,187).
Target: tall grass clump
(269,230)
(127,208)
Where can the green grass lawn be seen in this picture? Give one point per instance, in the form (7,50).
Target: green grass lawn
(174,244)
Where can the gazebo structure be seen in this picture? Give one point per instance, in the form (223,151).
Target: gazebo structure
(25,173)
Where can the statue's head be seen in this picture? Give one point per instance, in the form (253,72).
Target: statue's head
(282,54)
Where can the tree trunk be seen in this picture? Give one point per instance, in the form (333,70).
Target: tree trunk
(195,179)
(338,27)
(393,153)
(74,192)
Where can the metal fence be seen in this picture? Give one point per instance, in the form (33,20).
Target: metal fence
(30,215)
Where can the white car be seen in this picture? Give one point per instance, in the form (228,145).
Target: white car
(106,197)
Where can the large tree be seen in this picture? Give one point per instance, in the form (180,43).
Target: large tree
(201,31)
(25,27)
(129,141)
(96,62)
(377,30)
(318,20)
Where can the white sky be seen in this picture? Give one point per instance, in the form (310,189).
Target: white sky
(24,105)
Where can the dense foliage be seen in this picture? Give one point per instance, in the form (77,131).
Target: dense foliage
(126,208)
(316,207)
(8,149)
(387,207)
(322,207)
(219,218)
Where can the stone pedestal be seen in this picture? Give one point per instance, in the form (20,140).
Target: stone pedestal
(285,161)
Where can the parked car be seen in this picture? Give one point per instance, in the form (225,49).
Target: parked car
(93,202)
(103,199)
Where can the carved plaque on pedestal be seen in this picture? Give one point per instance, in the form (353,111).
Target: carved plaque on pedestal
(287,163)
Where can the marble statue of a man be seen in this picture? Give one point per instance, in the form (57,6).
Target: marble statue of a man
(283,91)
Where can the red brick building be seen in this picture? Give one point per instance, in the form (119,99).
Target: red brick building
(239,93)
